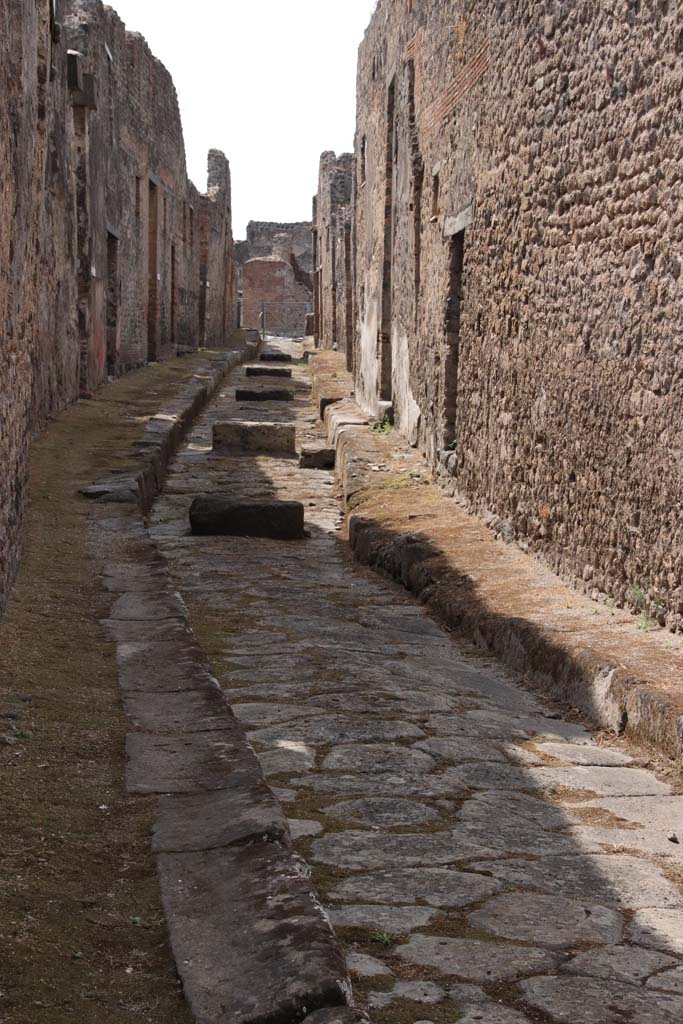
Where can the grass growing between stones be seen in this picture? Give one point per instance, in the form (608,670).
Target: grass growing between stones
(82,935)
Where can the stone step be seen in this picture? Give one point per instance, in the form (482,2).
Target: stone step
(268,395)
(217,514)
(276,357)
(247,436)
(317,458)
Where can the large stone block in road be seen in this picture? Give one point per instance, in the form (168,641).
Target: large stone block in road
(267,395)
(255,437)
(250,939)
(275,357)
(268,371)
(216,514)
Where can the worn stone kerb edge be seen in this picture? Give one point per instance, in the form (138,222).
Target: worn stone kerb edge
(142,480)
(251,942)
(605,693)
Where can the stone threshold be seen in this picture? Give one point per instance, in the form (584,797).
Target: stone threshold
(250,940)
(581,653)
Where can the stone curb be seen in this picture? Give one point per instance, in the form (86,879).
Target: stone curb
(143,478)
(609,695)
(252,944)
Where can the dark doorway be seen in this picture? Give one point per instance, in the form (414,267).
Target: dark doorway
(152,258)
(113,292)
(385,386)
(453,319)
(173,297)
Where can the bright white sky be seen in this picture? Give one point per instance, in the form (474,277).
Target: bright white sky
(270,82)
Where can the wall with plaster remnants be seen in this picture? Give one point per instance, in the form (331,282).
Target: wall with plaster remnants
(519,295)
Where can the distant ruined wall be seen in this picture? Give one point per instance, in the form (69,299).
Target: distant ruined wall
(286,290)
(519,285)
(218,273)
(271,282)
(99,225)
(261,237)
(332,244)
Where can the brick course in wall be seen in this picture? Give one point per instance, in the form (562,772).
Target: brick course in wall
(519,288)
(100,229)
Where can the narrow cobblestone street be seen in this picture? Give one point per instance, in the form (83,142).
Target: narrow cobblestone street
(480,858)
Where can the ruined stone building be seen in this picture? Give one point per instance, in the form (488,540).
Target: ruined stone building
(275,267)
(109,256)
(517,231)
(332,251)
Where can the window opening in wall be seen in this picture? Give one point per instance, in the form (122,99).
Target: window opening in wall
(453,321)
(435,195)
(152,271)
(385,368)
(113,294)
(363,148)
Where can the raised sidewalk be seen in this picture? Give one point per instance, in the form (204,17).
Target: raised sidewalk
(582,653)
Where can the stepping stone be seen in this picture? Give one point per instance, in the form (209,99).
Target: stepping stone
(594,1001)
(275,357)
(246,436)
(439,887)
(318,458)
(268,371)
(392,920)
(548,920)
(475,960)
(387,812)
(267,395)
(218,515)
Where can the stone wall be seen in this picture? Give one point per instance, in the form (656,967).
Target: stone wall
(518,222)
(99,225)
(38,345)
(332,246)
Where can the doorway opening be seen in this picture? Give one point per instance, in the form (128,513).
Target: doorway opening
(113,291)
(153,291)
(385,368)
(453,321)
